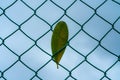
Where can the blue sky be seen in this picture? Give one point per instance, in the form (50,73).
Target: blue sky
(26,33)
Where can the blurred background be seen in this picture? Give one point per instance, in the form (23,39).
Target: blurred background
(93,52)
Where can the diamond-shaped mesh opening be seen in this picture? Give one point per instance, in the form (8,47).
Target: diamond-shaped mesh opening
(93,50)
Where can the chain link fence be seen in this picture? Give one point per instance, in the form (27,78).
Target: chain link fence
(19,46)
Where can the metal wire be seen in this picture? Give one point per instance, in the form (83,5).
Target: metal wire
(70,45)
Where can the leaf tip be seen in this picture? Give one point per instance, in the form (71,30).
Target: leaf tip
(57,66)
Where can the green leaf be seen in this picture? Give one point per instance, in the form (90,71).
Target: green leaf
(59,41)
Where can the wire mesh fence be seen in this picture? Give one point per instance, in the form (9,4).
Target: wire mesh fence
(19,46)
